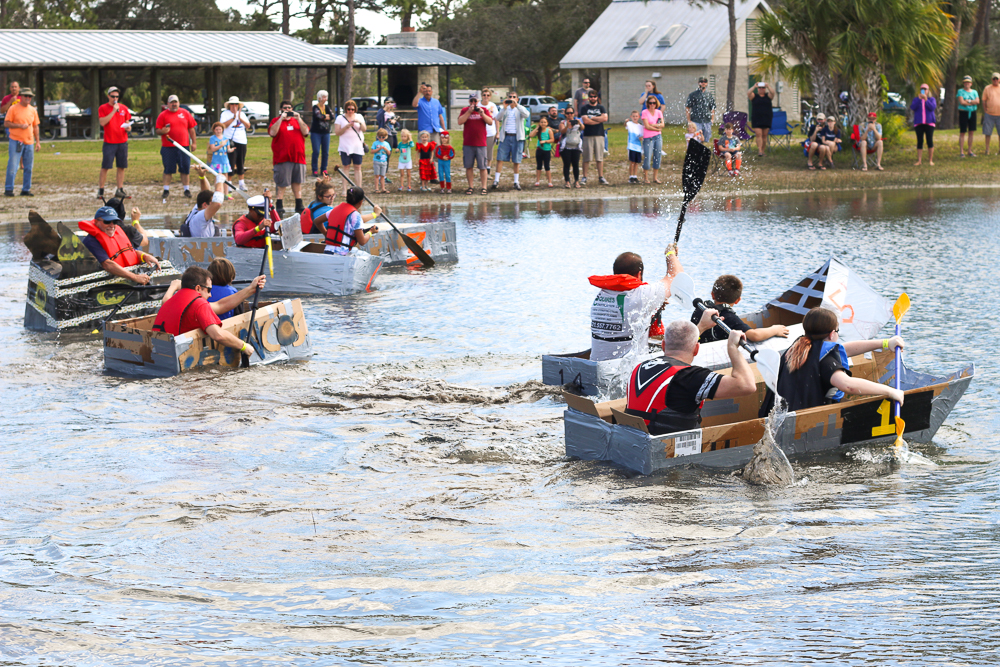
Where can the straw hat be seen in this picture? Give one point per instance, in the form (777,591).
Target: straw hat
(233,100)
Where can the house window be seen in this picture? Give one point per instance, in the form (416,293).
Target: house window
(753,38)
(672,35)
(640,36)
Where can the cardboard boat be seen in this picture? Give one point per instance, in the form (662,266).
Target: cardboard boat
(730,427)
(834,285)
(132,348)
(437,238)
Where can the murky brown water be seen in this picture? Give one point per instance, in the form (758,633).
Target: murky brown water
(403,498)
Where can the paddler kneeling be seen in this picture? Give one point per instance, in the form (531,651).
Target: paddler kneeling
(109,244)
(343,226)
(668,392)
(252,228)
(620,315)
(186,308)
(814,369)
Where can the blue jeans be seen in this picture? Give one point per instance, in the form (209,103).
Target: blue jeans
(444,171)
(16,152)
(651,147)
(320,142)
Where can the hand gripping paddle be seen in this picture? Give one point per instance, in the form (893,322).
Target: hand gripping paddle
(683,287)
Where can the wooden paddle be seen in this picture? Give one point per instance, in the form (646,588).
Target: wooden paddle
(898,310)
(414,247)
(198,160)
(696,162)
(245,358)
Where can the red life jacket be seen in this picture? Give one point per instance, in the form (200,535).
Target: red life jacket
(171,313)
(647,397)
(336,221)
(619,282)
(118,247)
(306,218)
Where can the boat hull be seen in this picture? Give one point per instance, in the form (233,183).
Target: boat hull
(730,427)
(132,348)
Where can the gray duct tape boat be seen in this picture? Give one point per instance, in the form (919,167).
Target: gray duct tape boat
(730,427)
(131,347)
(863,313)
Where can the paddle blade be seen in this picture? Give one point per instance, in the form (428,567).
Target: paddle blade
(415,248)
(696,162)
(768,363)
(900,427)
(270,257)
(900,307)
(683,288)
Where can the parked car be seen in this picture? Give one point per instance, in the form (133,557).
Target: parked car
(895,104)
(538,104)
(258,113)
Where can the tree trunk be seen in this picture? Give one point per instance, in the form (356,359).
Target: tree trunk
(733,55)
(980,31)
(867,96)
(286,74)
(349,67)
(405,14)
(949,108)
(824,91)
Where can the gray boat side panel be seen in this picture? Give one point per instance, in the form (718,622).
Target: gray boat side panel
(943,404)
(587,437)
(581,373)
(308,273)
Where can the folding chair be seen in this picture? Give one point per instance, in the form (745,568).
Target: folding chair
(857,161)
(781,131)
(739,120)
(717,161)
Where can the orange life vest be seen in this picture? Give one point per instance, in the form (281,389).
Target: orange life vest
(336,221)
(171,314)
(118,247)
(619,282)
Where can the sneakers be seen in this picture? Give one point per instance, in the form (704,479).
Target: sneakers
(187,194)
(604,181)
(583,181)
(27,193)
(242,187)
(100,193)
(120,193)
(8,193)
(496,184)
(517,186)
(166,193)
(633,179)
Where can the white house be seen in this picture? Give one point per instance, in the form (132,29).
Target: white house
(671,42)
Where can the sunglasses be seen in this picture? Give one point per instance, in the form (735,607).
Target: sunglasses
(114,97)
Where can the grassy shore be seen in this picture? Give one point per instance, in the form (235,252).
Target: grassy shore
(65,175)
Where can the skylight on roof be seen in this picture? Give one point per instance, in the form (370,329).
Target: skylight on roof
(640,36)
(672,35)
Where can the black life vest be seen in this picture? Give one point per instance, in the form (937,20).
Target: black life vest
(171,314)
(336,221)
(647,397)
(805,387)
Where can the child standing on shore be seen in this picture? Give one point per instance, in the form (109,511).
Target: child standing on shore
(634,129)
(380,159)
(219,149)
(426,148)
(405,148)
(444,154)
(543,153)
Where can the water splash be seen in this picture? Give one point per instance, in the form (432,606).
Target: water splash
(769,465)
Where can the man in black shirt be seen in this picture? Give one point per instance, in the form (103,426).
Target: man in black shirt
(668,392)
(700,109)
(593,116)
(727,291)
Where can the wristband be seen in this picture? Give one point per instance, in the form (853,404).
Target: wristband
(669,253)
(201,177)
(243,350)
(135,221)
(885,343)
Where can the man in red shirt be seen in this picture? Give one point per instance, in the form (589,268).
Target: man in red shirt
(288,148)
(116,119)
(250,230)
(186,308)
(11,98)
(474,120)
(177,124)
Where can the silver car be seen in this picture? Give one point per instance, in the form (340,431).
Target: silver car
(538,105)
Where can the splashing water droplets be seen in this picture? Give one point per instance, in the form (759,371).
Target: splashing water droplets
(769,464)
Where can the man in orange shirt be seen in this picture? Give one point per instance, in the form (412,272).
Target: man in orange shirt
(177,124)
(22,123)
(991,110)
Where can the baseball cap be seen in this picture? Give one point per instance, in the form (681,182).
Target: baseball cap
(821,116)
(966,78)
(473,96)
(995,75)
(232,100)
(702,79)
(173,98)
(872,114)
(106,214)
(113,89)
(257,201)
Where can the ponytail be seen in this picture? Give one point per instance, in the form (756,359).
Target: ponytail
(818,324)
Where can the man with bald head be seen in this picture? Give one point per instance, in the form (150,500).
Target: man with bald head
(668,392)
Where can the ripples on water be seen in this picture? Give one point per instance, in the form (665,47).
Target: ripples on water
(403,496)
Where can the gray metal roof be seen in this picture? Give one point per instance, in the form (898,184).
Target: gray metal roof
(388,56)
(604,43)
(156,48)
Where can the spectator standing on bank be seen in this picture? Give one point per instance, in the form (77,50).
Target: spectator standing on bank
(11,97)
(510,132)
(319,133)
(475,120)
(923,107)
(652,139)
(177,124)
(236,125)
(491,129)
(350,128)
(116,119)
(430,113)
(761,98)
(593,116)
(288,154)
(700,109)
(968,103)
(23,139)
(385,119)
(580,96)
(650,91)
(571,131)
(991,110)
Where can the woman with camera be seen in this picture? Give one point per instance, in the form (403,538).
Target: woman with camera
(350,127)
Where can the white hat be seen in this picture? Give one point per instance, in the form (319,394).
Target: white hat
(257,201)
(173,98)
(233,100)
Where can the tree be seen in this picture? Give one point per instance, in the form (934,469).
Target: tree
(734,51)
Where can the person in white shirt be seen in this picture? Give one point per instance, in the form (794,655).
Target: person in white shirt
(236,124)
(201,220)
(491,130)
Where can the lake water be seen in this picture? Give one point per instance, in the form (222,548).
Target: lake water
(403,497)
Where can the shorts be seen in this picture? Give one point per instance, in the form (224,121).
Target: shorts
(635,156)
(966,121)
(286,173)
(115,152)
(353,158)
(405,165)
(989,123)
(473,156)
(593,149)
(174,160)
(381,168)
(510,149)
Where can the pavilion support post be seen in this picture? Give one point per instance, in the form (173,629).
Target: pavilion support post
(217,90)
(155,94)
(447,94)
(40,94)
(272,92)
(95,102)
(331,85)
(378,95)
